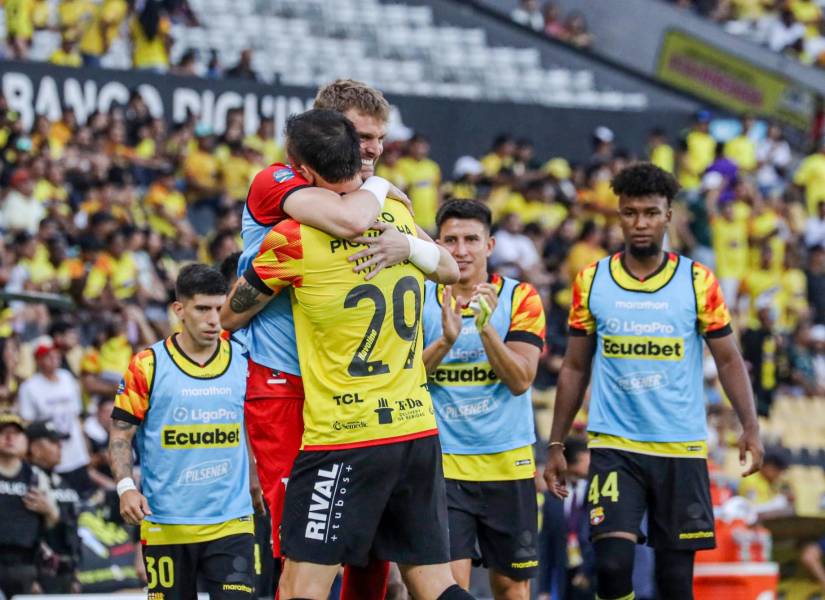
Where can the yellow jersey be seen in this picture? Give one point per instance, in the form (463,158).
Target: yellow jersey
(730,245)
(98,37)
(811,176)
(664,157)
(359,342)
(742,151)
(423,179)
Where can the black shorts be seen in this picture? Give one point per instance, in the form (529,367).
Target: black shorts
(226,566)
(674,491)
(389,498)
(495,523)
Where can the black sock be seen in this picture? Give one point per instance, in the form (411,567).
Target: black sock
(456,592)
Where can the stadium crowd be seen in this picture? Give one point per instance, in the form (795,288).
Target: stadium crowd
(570,28)
(790,27)
(106,212)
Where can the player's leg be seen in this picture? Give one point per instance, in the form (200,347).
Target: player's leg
(366,583)
(275,424)
(413,530)
(463,508)
(432,582)
(508,536)
(171,570)
(306,581)
(674,574)
(228,566)
(333,505)
(616,502)
(680,521)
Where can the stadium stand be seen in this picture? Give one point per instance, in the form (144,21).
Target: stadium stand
(106,211)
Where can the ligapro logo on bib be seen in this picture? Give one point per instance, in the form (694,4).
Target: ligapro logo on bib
(614,326)
(183,414)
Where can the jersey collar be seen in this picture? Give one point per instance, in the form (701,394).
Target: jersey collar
(654,282)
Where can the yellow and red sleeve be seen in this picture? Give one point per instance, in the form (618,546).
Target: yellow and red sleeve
(132,399)
(280,260)
(712,313)
(527,323)
(581,320)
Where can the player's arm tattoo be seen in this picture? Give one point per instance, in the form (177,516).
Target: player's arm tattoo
(120,448)
(244,298)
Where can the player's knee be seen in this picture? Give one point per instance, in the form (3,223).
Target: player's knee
(506,588)
(614,567)
(455,592)
(674,574)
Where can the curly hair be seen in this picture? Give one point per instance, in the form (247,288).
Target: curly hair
(344,94)
(644,179)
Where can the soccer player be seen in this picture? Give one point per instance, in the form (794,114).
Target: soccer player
(275,392)
(183,397)
(368,478)
(638,319)
(483,337)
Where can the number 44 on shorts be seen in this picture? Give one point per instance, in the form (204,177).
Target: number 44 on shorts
(610,489)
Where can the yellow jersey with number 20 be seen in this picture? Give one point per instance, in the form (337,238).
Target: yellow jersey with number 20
(359,342)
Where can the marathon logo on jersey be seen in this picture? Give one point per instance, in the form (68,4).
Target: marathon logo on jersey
(597,515)
(641,305)
(201,392)
(205,473)
(187,437)
(644,348)
(636,383)
(283,175)
(464,374)
(326,503)
(468,410)
(636,328)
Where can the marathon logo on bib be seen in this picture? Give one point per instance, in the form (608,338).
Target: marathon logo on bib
(645,348)
(186,437)
(465,374)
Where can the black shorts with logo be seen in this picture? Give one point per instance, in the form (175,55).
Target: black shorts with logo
(390,498)
(675,491)
(225,565)
(495,523)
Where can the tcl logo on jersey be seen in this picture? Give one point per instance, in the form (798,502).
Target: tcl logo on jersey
(647,348)
(182,437)
(465,374)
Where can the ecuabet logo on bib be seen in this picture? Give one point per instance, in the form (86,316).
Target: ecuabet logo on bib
(282,175)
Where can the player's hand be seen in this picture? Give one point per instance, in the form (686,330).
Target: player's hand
(397,194)
(257,495)
(749,442)
(385,250)
(484,303)
(37,501)
(554,472)
(133,507)
(450,315)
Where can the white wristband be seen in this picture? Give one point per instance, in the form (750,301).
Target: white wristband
(124,485)
(379,187)
(423,254)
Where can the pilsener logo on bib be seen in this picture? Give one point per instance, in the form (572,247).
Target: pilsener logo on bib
(643,347)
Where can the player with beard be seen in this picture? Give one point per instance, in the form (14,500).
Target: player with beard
(637,322)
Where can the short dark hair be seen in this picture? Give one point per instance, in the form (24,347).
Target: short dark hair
(573,446)
(644,179)
(229,267)
(198,278)
(464,209)
(325,141)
